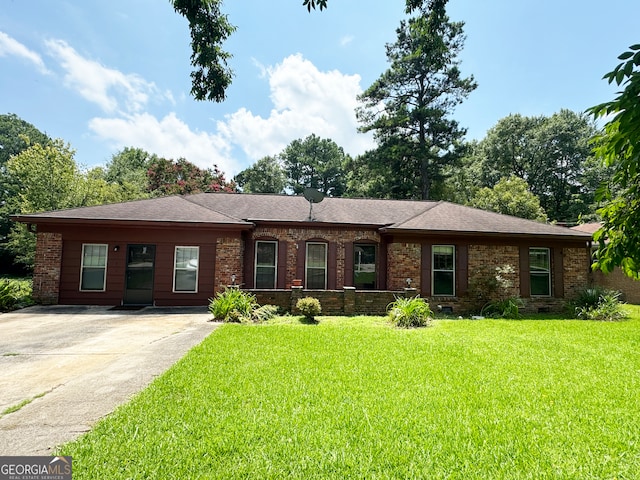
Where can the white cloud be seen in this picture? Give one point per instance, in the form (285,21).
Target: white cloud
(306,101)
(110,89)
(169,138)
(346,40)
(10,46)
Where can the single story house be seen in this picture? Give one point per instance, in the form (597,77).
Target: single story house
(354,255)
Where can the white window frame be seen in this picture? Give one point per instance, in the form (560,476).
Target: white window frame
(548,271)
(306,264)
(434,270)
(275,264)
(82,267)
(176,268)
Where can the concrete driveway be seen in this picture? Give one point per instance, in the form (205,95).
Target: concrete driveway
(70,366)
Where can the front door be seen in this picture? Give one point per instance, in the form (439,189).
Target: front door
(138,289)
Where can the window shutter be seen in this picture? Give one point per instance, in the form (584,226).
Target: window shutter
(348,264)
(462,274)
(332,266)
(282,264)
(425,268)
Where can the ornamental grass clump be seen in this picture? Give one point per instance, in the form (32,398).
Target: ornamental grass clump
(233,306)
(410,312)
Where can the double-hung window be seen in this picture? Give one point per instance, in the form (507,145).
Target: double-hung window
(364,267)
(266,266)
(185,269)
(443,270)
(93,270)
(316,266)
(540,271)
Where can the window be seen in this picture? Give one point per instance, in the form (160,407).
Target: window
(316,266)
(443,270)
(266,264)
(185,271)
(93,271)
(364,267)
(540,272)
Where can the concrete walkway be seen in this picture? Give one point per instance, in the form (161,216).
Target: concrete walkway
(71,366)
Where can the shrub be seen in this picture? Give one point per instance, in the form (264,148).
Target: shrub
(233,305)
(15,294)
(597,303)
(309,307)
(505,308)
(264,313)
(410,312)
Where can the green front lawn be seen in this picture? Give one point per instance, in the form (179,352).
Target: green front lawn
(355,398)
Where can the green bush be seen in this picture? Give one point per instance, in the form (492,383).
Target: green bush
(233,305)
(597,303)
(410,312)
(264,313)
(309,307)
(15,294)
(505,308)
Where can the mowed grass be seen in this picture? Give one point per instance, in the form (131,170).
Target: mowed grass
(355,398)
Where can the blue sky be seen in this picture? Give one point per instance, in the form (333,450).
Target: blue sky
(106,75)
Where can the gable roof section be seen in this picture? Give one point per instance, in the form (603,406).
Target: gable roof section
(244,210)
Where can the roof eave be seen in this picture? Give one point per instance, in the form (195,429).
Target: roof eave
(35,220)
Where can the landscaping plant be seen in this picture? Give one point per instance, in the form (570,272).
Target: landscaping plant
(597,303)
(233,305)
(410,312)
(309,307)
(15,294)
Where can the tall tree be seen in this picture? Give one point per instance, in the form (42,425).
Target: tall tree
(16,135)
(128,168)
(49,179)
(265,176)
(550,153)
(619,148)
(317,163)
(411,102)
(210,28)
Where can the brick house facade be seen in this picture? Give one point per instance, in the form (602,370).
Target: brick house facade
(355,255)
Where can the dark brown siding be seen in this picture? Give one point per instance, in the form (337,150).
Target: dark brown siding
(165,241)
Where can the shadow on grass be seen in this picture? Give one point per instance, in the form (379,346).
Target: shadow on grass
(308,321)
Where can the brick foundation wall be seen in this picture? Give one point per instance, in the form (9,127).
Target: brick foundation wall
(347,301)
(46,273)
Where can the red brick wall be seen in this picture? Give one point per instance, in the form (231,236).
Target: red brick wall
(617,280)
(46,272)
(229,254)
(331,235)
(403,261)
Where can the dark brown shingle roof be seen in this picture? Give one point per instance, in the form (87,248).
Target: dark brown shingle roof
(245,209)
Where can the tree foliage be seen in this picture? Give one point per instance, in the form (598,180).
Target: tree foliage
(210,28)
(510,196)
(316,163)
(181,177)
(619,148)
(265,176)
(16,135)
(552,154)
(408,107)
